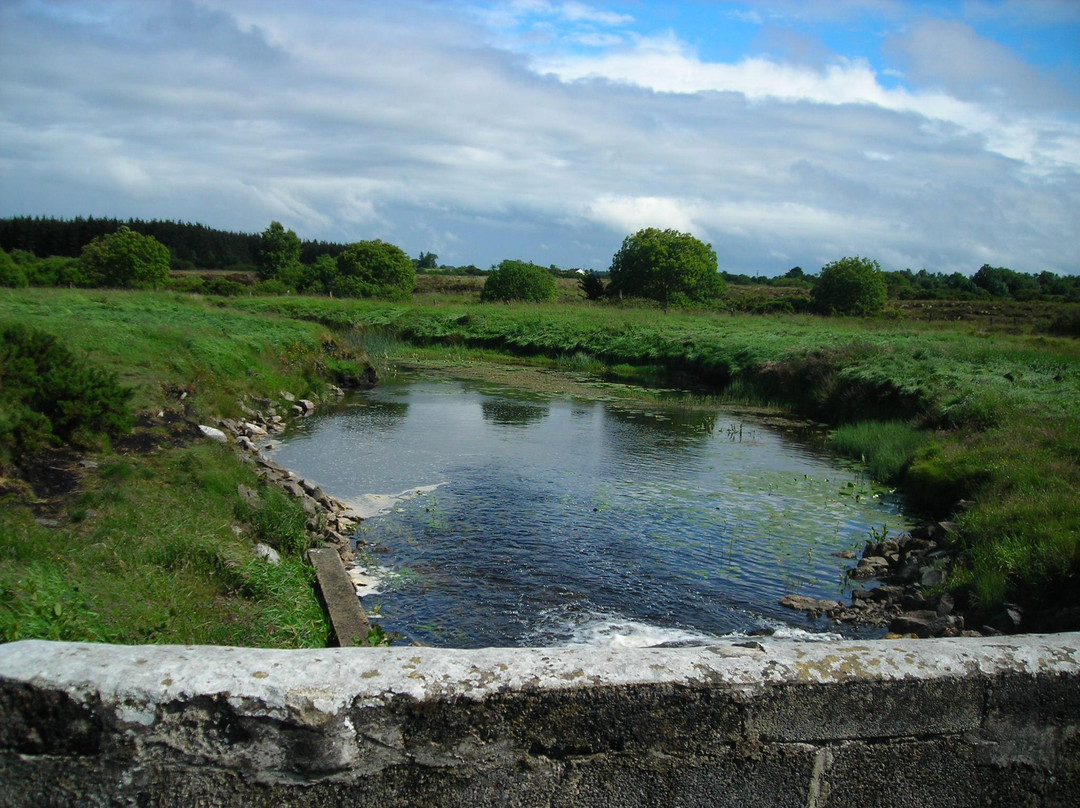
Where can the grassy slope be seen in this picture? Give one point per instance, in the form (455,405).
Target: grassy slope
(998,414)
(158,546)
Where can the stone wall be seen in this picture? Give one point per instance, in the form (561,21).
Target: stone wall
(905,723)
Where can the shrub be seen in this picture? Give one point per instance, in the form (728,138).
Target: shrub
(374,269)
(49,395)
(850,286)
(519,280)
(1066,324)
(126,258)
(11,274)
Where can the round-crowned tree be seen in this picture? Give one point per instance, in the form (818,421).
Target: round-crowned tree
(374,269)
(519,280)
(125,258)
(279,252)
(851,285)
(665,265)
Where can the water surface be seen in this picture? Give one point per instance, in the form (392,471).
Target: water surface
(511,518)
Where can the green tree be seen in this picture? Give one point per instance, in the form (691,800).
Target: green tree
(591,285)
(427,261)
(374,269)
(851,285)
(665,265)
(125,258)
(519,280)
(279,253)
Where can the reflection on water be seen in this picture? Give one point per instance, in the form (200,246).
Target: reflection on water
(560,520)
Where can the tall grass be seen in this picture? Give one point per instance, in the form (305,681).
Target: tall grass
(887,447)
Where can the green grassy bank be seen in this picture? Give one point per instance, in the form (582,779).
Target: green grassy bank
(949,411)
(149,539)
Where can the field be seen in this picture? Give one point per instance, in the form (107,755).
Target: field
(976,414)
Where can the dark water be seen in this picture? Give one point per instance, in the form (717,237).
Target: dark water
(518,519)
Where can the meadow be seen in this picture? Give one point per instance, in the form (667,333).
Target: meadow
(977,422)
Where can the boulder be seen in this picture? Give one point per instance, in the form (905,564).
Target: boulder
(804,604)
(214,434)
(267,552)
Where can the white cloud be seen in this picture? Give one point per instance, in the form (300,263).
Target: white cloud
(403,122)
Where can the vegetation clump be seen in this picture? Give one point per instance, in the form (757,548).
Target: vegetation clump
(850,286)
(126,259)
(48,395)
(519,280)
(374,269)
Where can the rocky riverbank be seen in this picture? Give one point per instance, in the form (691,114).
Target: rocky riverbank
(905,591)
(330,522)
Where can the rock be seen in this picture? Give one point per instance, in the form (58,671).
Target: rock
(311,488)
(931,576)
(293,489)
(308,406)
(946,603)
(249,495)
(946,626)
(337,391)
(267,552)
(862,594)
(845,554)
(244,442)
(917,622)
(214,433)
(1008,621)
(887,592)
(287,396)
(804,604)
(254,430)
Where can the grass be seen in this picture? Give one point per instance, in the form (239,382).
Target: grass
(158,546)
(886,447)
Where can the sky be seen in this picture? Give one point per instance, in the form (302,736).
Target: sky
(925,135)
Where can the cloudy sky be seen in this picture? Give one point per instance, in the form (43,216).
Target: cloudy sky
(923,134)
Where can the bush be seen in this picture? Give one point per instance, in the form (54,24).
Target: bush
(519,280)
(126,259)
(1066,324)
(11,274)
(374,269)
(48,395)
(850,286)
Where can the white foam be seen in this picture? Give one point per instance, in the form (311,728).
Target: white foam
(368,580)
(368,505)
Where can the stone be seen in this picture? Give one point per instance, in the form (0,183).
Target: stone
(946,603)
(254,430)
(308,406)
(804,604)
(917,622)
(931,576)
(267,552)
(287,396)
(249,495)
(213,433)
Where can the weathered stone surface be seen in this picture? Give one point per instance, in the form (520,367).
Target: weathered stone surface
(892,723)
(214,433)
(805,604)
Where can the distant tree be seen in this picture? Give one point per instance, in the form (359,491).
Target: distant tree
(279,252)
(125,258)
(591,285)
(665,265)
(795,273)
(427,261)
(850,286)
(374,269)
(519,280)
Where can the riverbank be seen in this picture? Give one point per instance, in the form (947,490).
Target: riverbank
(155,537)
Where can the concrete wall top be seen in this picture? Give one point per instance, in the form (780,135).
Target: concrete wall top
(883,722)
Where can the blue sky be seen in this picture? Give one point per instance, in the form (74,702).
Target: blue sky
(925,135)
